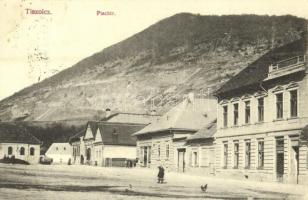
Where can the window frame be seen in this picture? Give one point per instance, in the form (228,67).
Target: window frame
(291,103)
(167,151)
(225,155)
(236,154)
(225,116)
(261,108)
(22,151)
(195,159)
(32,151)
(247,154)
(10,150)
(247,111)
(279,114)
(261,154)
(236,114)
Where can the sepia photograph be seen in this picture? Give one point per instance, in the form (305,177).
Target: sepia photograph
(169,99)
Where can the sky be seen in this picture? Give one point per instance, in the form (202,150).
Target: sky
(36,46)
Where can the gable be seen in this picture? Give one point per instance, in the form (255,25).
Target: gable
(98,137)
(89,134)
(59,148)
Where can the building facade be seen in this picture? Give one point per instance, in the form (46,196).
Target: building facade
(18,143)
(261,116)
(201,151)
(105,143)
(60,153)
(163,142)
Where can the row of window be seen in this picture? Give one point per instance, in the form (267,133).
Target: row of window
(21,151)
(99,153)
(236,154)
(279,109)
(167,151)
(57,148)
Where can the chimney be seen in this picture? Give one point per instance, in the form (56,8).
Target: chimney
(153,112)
(108,112)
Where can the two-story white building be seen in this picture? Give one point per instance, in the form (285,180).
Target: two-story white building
(261,118)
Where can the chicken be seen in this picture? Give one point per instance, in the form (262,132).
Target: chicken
(204,188)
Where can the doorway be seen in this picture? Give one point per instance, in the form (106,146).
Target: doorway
(279,158)
(294,159)
(181,160)
(88,154)
(145,156)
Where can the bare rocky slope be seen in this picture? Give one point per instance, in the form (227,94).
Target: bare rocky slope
(154,68)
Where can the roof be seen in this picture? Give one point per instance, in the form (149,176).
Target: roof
(93,127)
(108,129)
(10,133)
(189,115)
(206,132)
(77,136)
(124,132)
(257,71)
(138,118)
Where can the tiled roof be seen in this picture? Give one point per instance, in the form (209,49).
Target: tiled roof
(257,71)
(132,118)
(189,115)
(107,129)
(205,132)
(123,131)
(10,133)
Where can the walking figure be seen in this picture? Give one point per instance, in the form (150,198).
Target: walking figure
(161,174)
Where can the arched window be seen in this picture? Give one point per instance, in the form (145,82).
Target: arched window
(22,151)
(32,151)
(10,151)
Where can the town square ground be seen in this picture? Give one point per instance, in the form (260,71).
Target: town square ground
(86,182)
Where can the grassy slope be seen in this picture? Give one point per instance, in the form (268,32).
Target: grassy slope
(170,58)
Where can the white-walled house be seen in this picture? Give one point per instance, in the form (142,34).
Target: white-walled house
(114,142)
(105,143)
(201,151)
(60,153)
(163,142)
(19,143)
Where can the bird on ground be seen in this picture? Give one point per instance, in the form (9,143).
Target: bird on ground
(204,188)
(129,189)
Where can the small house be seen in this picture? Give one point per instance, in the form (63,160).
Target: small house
(201,151)
(60,153)
(163,141)
(104,143)
(18,143)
